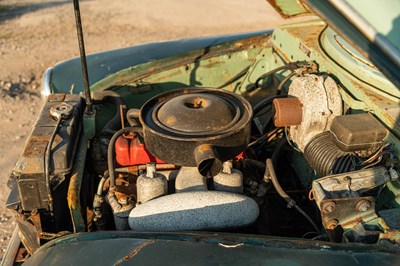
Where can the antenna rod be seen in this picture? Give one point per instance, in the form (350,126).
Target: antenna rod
(85,75)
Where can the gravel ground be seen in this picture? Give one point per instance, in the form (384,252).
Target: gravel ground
(35,34)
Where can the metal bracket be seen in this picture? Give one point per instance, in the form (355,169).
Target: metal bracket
(347,212)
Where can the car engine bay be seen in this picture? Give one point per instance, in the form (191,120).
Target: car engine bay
(295,160)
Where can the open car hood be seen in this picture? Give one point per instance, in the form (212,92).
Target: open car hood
(372,27)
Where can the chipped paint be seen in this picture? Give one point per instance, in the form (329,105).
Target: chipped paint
(134,74)
(74,188)
(134,253)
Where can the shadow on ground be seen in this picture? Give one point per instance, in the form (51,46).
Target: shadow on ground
(9,12)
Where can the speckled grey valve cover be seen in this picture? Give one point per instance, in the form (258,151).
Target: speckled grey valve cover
(197,210)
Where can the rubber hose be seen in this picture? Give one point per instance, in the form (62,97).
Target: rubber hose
(269,73)
(270,174)
(48,162)
(131,115)
(115,99)
(267,101)
(278,150)
(290,66)
(101,184)
(283,82)
(110,150)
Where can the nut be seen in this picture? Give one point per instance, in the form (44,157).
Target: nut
(347,178)
(122,198)
(328,207)
(394,175)
(62,110)
(332,224)
(363,205)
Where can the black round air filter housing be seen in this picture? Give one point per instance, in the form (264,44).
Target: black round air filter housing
(196,127)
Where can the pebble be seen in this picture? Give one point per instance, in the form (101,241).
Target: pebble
(7,85)
(7,225)
(23,88)
(19,137)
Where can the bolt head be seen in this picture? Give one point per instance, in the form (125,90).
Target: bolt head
(328,207)
(363,205)
(332,224)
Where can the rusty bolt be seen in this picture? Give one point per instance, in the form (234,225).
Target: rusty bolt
(328,207)
(332,224)
(122,198)
(314,67)
(363,205)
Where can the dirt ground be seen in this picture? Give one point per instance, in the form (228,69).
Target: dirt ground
(35,34)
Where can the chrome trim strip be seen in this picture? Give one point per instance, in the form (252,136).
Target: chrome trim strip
(367,30)
(46,88)
(12,249)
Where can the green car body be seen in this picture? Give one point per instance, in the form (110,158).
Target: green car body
(141,72)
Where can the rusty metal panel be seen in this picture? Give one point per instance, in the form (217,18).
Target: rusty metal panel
(29,170)
(289,8)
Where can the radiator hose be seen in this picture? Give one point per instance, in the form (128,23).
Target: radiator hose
(270,174)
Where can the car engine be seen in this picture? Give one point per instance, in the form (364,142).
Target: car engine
(294,164)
